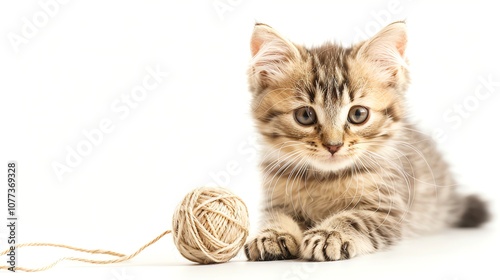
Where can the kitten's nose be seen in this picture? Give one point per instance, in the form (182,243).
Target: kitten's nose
(333,148)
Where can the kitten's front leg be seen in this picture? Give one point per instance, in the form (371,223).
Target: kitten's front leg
(279,239)
(350,233)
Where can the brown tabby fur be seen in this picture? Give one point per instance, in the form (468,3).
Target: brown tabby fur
(385,182)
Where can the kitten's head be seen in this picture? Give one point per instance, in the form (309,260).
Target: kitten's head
(328,107)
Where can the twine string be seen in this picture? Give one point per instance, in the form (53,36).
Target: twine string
(210,226)
(120,257)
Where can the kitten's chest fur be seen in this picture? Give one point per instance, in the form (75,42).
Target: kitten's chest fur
(312,197)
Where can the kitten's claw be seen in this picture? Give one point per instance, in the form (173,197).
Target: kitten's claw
(326,245)
(272,245)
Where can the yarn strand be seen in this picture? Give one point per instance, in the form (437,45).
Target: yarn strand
(210,225)
(96,251)
(121,257)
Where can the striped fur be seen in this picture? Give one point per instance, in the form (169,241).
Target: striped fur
(386,181)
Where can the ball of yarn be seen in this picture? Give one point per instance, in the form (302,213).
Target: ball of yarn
(210,225)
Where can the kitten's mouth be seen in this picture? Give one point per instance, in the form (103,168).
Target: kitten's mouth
(333,162)
(335,158)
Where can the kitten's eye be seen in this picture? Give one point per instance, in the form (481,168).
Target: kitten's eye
(305,116)
(358,115)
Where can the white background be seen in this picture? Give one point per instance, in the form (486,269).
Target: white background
(65,73)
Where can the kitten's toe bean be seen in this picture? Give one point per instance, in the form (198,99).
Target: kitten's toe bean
(326,245)
(271,245)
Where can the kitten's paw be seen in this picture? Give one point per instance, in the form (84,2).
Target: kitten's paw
(272,245)
(327,245)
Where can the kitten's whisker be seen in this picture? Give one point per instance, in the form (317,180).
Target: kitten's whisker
(391,188)
(424,159)
(278,162)
(295,156)
(281,169)
(300,166)
(405,176)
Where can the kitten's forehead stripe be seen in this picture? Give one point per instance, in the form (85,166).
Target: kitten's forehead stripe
(336,84)
(351,93)
(312,95)
(311,91)
(331,73)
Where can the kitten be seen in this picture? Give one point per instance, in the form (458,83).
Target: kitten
(344,171)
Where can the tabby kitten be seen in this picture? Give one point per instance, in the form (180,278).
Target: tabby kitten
(344,171)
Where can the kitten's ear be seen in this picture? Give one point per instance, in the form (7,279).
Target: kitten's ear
(272,56)
(386,52)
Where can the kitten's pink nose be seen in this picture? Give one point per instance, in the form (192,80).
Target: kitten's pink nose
(333,148)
